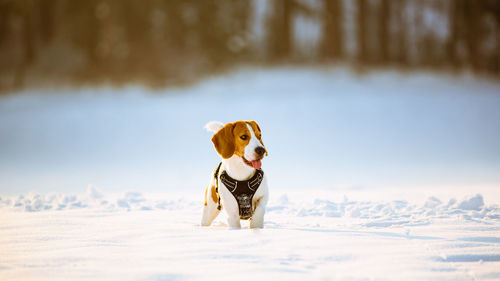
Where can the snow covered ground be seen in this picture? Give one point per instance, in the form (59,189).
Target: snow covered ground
(94,236)
(380,177)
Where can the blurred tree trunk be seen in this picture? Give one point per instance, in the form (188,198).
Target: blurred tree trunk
(496,13)
(424,42)
(29,48)
(401,42)
(5,11)
(91,31)
(455,18)
(383,31)
(473,33)
(26,9)
(81,16)
(332,41)
(46,14)
(362,31)
(490,9)
(497,54)
(280,35)
(211,33)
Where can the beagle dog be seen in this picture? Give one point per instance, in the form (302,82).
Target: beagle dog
(238,185)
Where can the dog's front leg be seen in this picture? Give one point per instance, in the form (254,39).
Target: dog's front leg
(231,208)
(257,219)
(233,221)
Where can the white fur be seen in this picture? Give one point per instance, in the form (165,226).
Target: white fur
(214,126)
(238,170)
(250,154)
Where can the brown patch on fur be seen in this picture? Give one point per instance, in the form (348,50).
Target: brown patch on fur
(240,129)
(256,203)
(215,198)
(206,190)
(255,128)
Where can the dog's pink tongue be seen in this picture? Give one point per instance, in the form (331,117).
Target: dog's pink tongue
(256,164)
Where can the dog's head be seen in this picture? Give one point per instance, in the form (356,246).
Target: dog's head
(243,139)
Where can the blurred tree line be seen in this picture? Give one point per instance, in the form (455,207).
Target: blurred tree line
(171,42)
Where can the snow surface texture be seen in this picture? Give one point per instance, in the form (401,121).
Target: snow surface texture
(133,236)
(379,177)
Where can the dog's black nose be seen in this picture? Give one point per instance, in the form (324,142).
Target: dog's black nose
(260,150)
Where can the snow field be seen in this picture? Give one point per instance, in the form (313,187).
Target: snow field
(136,237)
(378,177)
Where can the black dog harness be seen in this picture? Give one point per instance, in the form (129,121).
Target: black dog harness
(243,191)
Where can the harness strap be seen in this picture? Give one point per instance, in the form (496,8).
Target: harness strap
(216,176)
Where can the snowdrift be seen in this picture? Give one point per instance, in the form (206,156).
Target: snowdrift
(135,236)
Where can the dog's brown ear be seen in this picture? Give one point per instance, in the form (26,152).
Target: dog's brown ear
(224,141)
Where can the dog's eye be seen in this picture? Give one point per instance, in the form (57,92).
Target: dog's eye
(244,137)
